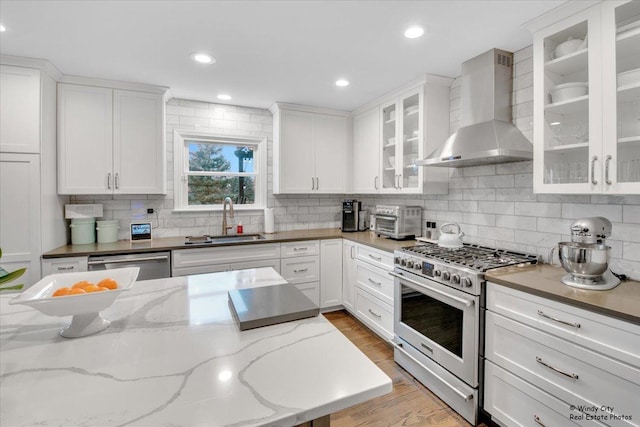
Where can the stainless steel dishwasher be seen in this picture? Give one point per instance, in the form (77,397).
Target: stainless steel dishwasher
(153,265)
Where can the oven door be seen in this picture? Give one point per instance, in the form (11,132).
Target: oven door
(387,225)
(440,322)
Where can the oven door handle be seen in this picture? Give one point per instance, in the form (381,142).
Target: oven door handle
(467,303)
(389,217)
(466,397)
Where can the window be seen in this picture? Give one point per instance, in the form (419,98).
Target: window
(209,168)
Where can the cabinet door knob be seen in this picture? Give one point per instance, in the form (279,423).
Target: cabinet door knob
(593,170)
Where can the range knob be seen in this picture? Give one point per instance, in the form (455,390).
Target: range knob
(396,260)
(455,279)
(466,282)
(417,266)
(445,275)
(403,262)
(437,273)
(410,264)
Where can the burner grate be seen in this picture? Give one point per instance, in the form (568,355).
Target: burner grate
(476,257)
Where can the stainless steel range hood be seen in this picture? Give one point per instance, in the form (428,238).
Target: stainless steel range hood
(486,134)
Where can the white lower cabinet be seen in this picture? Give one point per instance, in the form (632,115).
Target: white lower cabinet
(223,258)
(331,273)
(300,266)
(348,274)
(374,313)
(311,290)
(557,356)
(64,265)
(368,287)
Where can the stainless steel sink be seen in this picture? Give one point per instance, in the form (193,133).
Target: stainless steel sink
(215,240)
(237,238)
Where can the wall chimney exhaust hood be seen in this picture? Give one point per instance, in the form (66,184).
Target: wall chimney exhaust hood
(486,134)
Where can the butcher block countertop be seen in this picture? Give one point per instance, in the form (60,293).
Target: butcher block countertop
(174,356)
(169,243)
(622,302)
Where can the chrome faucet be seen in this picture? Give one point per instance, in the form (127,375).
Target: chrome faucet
(226,227)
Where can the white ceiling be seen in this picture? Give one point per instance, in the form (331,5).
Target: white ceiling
(267,51)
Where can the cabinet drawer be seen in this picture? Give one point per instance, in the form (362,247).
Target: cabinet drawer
(375,280)
(182,258)
(612,337)
(303,248)
(64,265)
(311,290)
(570,372)
(375,313)
(273,263)
(374,256)
(300,269)
(512,401)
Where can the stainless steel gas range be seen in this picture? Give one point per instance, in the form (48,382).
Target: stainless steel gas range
(438,321)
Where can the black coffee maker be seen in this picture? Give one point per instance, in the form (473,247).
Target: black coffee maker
(351,215)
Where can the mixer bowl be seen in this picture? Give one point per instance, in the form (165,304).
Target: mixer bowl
(584,260)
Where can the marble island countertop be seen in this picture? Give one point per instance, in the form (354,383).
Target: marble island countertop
(173,356)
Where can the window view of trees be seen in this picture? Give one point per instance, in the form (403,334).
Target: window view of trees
(217,171)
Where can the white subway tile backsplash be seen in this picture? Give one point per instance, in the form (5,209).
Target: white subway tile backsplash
(496,181)
(538,209)
(479,194)
(516,222)
(503,208)
(574,211)
(464,205)
(479,218)
(479,170)
(631,214)
(514,167)
(536,238)
(496,233)
(631,251)
(554,225)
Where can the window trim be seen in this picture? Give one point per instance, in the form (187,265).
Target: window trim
(181,165)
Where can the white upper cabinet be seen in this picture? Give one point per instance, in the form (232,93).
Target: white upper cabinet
(366,152)
(390,134)
(587,101)
(20,107)
(110,141)
(309,150)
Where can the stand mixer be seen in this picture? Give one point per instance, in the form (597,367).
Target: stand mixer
(586,257)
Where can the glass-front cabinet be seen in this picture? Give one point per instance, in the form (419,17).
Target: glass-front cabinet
(402,143)
(587,102)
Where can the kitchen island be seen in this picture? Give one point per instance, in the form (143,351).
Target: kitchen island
(174,356)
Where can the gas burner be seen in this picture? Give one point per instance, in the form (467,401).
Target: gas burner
(475,257)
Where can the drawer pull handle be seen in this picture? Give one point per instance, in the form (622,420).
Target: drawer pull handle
(299,249)
(375,314)
(543,363)
(429,349)
(71,267)
(302,270)
(555,319)
(537,420)
(374,282)
(377,258)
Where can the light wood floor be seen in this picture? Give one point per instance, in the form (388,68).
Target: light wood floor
(409,404)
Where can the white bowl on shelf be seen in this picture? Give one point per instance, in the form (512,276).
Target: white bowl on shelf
(566,91)
(629,77)
(85,308)
(570,46)
(391,140)
(411,110)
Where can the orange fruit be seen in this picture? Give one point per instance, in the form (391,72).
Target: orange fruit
(94,288)
(108,283)
(76,291)
(102,288)
(61,292)
(81,285)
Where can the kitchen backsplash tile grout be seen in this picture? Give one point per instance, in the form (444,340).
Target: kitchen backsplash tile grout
(494,204)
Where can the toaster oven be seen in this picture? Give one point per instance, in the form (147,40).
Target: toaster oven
(398,222)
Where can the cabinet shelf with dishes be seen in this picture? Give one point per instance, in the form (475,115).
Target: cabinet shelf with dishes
(597,127)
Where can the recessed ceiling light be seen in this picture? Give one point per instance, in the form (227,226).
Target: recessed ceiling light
(414,32)
(224,97)
(2,28)
(203,58)
(342,83)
